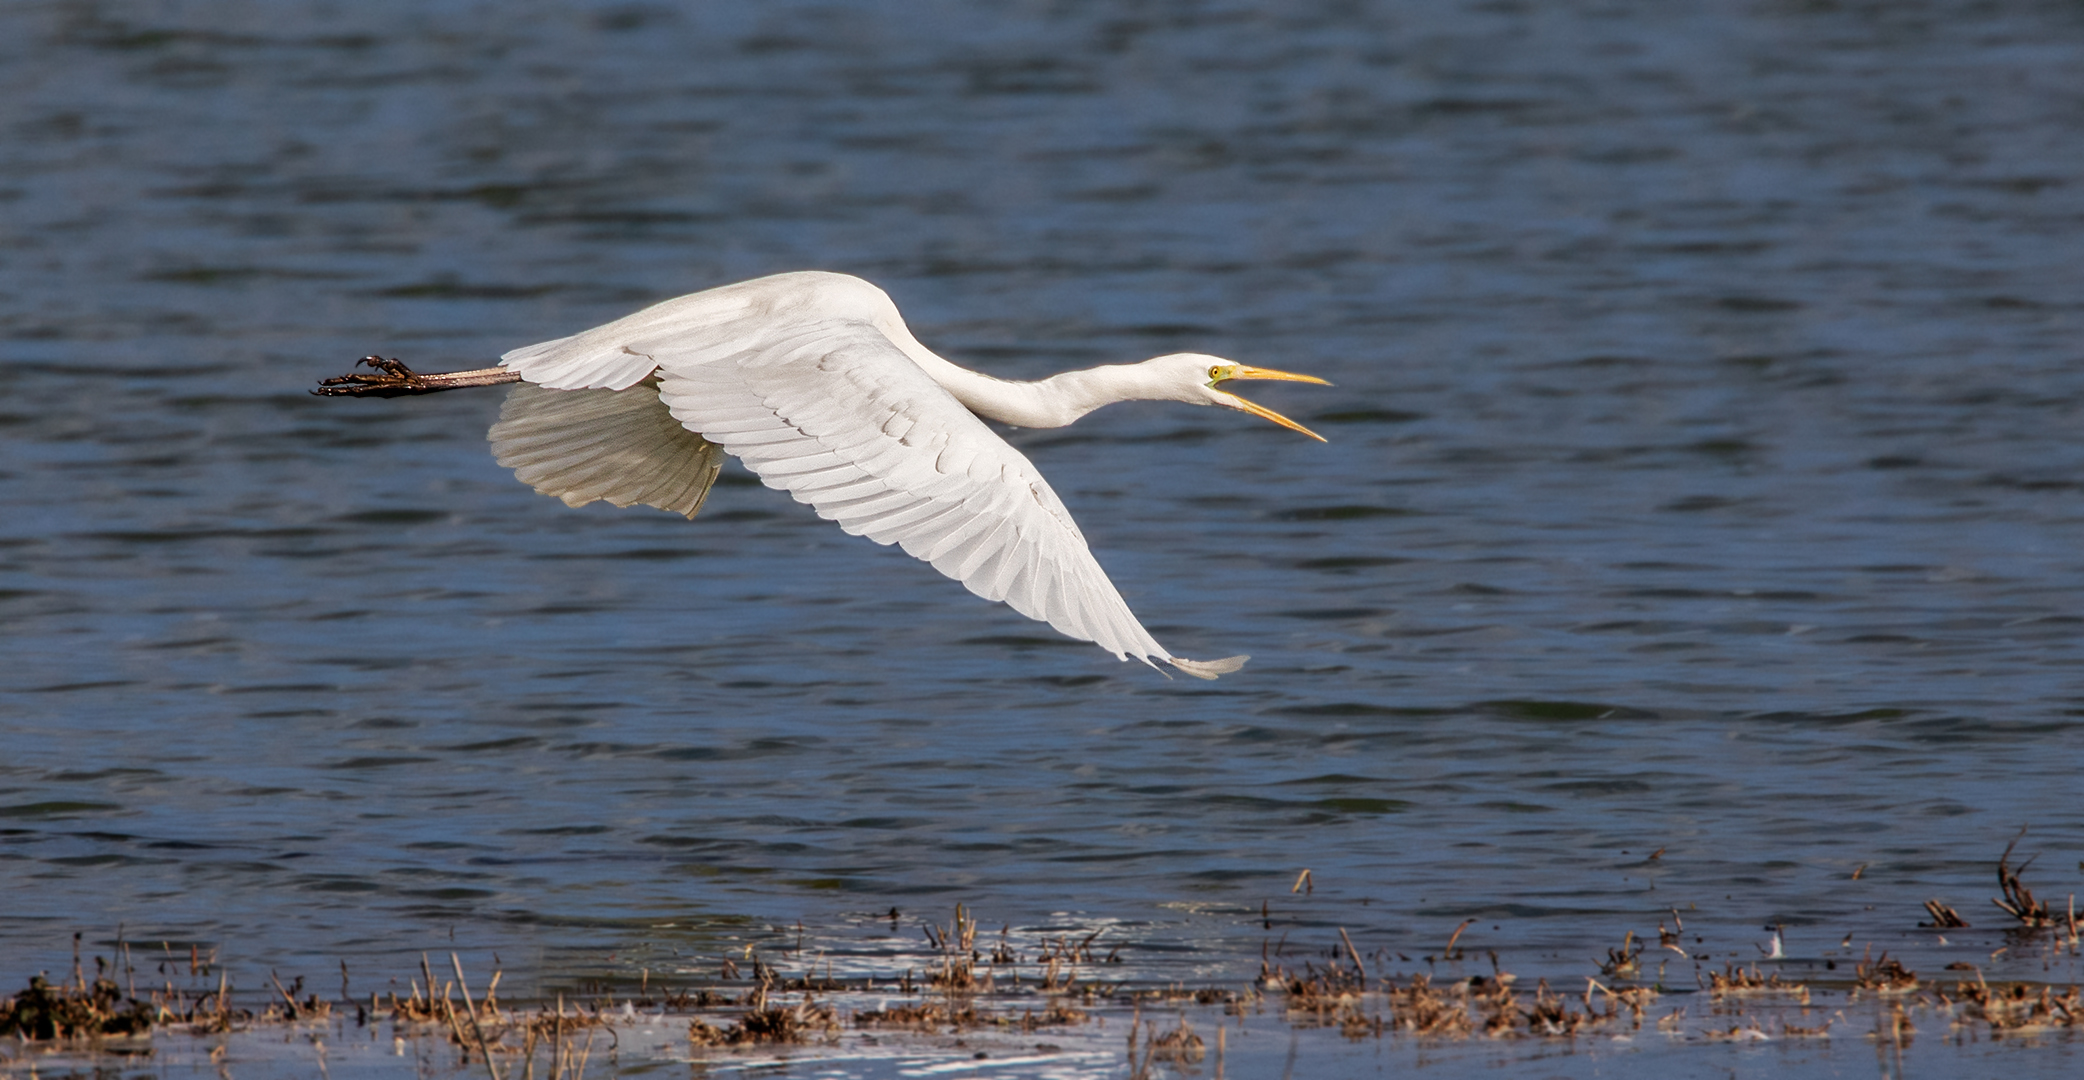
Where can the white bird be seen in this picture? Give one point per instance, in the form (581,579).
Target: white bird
(813,382)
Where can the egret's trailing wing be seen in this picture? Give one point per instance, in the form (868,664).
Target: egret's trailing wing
(622,446)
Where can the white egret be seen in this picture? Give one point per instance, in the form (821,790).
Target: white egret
(813,382)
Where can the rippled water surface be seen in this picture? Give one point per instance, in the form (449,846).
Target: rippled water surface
(1704,477)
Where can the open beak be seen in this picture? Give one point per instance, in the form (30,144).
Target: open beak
(1243,372)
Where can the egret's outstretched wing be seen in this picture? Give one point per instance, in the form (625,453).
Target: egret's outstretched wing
(842,420)
(799,380)
(622,446)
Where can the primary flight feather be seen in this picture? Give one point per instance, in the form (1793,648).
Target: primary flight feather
(812,380)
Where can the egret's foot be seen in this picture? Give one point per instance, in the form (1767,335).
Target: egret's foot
(389,367)
(392,379)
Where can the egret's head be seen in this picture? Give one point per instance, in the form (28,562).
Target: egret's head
(1201,377)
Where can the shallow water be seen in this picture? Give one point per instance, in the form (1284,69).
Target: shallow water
(1703,478)
(1256,1045)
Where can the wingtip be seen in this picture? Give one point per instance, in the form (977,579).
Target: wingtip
(1208,669)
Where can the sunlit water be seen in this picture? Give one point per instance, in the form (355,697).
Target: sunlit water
(1704,477)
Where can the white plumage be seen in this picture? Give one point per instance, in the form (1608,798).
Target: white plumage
(620,445)
(812,380)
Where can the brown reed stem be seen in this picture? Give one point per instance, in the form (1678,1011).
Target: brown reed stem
(475,1029)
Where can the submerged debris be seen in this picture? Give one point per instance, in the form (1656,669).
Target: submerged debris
(1732,980)
(1422,1010)
(74,1011)
(82,1009)
(2018,900)
(1943,917)
(769,1025)
(1008,989)
(2016,1008)
(1626,961)
(1885,975)
(923,1016)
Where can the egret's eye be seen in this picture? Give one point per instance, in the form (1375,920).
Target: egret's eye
(1215,374)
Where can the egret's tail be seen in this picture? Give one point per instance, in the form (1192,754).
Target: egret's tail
(1208,669)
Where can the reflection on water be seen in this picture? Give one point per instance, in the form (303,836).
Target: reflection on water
(1703,478)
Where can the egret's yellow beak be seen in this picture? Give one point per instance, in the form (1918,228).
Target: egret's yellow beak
(1241,371)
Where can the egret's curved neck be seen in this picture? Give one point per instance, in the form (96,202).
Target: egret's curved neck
(1052,402)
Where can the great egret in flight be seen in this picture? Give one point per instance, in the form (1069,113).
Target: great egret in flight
(812,380)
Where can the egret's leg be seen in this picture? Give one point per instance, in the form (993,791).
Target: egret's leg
(394,379)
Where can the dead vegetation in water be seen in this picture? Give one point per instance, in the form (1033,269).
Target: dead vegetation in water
(1179,1046)
(487,1033)
(1339,996)
(959,987)
(769,1025)
(1734,981)
(72,1010)
(1883,975)
(969,982)
(1420,1009)
(1626,961)
(1943,917)
(2030,914)
(2018,901)
(2016,1008)
(80,1008)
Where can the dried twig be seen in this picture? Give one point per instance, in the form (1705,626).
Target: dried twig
(1944,917)
(475,1029)
(1449,952)
(1355,954)
(2018,899)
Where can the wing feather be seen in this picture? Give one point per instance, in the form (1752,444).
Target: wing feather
(957,484)
(583,446)
(798,378)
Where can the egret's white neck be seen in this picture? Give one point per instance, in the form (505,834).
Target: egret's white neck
(1056,401)
(1053,402)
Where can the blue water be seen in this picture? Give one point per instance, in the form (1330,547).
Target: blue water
(1704,476)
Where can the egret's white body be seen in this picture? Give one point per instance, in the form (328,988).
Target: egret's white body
(813,382)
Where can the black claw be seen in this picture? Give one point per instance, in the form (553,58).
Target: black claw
(394,368)
(393,379)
